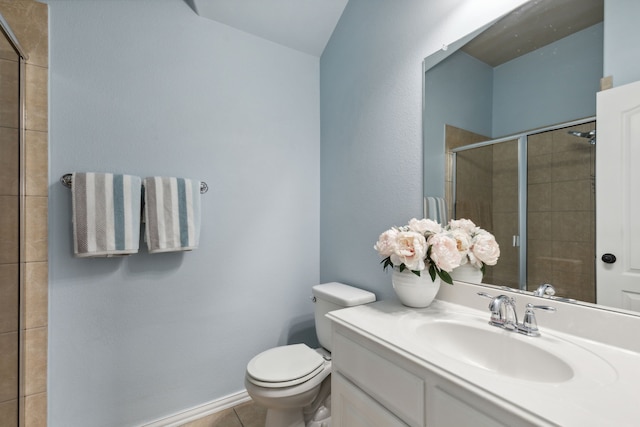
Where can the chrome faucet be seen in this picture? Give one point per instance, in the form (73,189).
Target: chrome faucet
(504,315)
(503,312)
(544,289)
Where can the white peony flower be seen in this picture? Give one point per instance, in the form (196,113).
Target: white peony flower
(485,249)
(444,252)
(411,249)
(423,226)
(386,244)
(463,242)
(463,224)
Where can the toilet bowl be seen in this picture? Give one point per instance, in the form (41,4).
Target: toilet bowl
(294,381)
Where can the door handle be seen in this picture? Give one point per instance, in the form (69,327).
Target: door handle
(608,258)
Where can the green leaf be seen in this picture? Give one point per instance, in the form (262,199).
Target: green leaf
(446,277)
(416,272)
(386,263)
(483,268)
(432,272)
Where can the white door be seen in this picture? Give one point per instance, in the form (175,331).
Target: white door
(618,197)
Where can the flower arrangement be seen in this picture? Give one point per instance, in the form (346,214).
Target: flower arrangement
(476,245)
(426,245)
(420,245)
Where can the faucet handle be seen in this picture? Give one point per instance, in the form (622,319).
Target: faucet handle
(486,295)
(529,324)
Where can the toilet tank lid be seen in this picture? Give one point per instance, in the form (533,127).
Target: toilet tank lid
(343,295)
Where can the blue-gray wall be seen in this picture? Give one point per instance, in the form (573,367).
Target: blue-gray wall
(147,87)
(554,84)
(371,127)
(622,41)
(459,91)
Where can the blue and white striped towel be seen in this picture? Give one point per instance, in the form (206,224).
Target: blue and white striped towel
(172,214)
(106,214)
(435,208)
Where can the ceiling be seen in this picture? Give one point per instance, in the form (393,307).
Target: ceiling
(307,25)
(303,25)
(535,24)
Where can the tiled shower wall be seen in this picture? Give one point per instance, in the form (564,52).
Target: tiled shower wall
(9,230)
(29,21)
(561,212)
(454,138)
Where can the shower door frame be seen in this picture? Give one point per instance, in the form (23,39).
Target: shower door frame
(520,240)
(5,31)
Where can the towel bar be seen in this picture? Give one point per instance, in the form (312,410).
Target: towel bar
(67,181)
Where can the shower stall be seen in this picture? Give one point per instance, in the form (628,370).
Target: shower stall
(535,192)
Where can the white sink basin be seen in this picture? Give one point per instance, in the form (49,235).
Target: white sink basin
(469,342)
(496,350)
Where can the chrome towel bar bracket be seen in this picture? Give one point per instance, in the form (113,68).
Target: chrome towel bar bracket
(67,181)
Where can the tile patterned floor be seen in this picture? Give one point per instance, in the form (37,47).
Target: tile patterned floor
(244,415)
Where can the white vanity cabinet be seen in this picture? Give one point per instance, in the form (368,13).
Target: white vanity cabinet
(375,385)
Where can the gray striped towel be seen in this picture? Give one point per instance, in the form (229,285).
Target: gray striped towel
(106,214)
(172,214)
(435,208)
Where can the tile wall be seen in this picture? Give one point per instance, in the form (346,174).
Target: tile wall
(29,21)
(9,231)
(455,138)
(561,212)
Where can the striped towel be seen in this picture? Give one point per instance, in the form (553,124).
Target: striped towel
(435,208)
(172,214)
(106,214)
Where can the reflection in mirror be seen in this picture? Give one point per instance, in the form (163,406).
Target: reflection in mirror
(522,98)
(10,332)
(558,243)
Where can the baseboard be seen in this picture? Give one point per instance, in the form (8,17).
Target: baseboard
(201,411)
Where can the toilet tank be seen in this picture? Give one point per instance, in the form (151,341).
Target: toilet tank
(334,296)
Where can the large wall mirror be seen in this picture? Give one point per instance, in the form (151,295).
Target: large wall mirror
(510,141)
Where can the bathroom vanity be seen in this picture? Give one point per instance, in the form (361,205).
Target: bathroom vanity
(446,366)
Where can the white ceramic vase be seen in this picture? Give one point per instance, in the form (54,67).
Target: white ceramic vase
(415,291)
(467,273)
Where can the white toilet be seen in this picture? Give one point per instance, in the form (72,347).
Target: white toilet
(293,381)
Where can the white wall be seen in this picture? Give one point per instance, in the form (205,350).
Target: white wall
(371,103)
(147,87)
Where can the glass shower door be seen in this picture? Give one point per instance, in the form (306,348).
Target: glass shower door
(486,192)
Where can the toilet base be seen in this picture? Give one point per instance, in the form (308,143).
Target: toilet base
(284,418)
(295,418)
(316,413)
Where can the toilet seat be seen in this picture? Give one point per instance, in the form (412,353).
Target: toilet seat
(285,366)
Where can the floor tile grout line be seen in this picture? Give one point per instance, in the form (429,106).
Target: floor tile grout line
(238,417)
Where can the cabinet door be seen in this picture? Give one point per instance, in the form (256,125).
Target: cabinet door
(351,407)
(449,405)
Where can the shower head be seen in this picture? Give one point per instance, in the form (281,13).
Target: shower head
(591,135)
